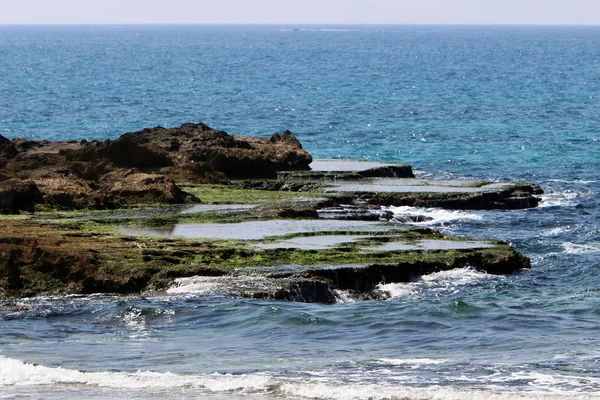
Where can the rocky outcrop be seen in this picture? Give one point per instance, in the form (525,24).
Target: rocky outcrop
(138,167)
(7,151)
(16,195)
(361,282)
(41,258)
(198,149)
(511,198)
(139,187)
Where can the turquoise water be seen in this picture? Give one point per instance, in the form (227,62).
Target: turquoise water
(518,103)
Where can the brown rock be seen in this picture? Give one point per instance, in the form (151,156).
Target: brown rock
(16,195)
(69,192)
(124,152)
(236,157)
(10,274)
(99,175)
(138,187)
(194,172)
(7,151)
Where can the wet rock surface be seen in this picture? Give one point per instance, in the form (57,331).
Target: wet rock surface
(44,257)
(369,184)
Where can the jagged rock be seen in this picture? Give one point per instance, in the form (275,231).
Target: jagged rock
(99,175)
(68,192)
(195,172)
(388,171)
(10,274)
(234,156)
(16,195)
(124,152)
(138,187)
(510,199)
(361,282)
(7,151)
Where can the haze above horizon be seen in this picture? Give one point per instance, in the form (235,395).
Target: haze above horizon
(443,12)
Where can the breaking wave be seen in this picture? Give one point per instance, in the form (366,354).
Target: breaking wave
(431,216)
(16,372)
(439,282)
(18,376)
(575,248)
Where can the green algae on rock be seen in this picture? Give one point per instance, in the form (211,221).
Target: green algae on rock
(39,257)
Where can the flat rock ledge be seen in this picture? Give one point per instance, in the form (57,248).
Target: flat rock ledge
(54,258)
(368,184)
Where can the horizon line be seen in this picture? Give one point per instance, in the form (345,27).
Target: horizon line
(291,24)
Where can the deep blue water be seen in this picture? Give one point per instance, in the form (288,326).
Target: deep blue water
(498,103)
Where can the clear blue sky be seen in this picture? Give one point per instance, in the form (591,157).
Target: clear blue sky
(567,12)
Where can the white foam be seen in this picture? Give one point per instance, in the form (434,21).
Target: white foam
(575,248)
(435,216)
(455,277)
(208,285)
(317,390)
(18,373)
(582,181)
(558,199)
(412,361)
(531,385)
(196,285)
(438,281)
(556,231)
(344,296)
(541,382)
(134,318)
(399,290)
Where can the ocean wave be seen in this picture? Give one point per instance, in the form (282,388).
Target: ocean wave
(582,181)
(197,285)
(556,231)
(431,216)
(575,248)
(564,198)
(443,281)
(522,385)
(16,372)
(344,296)
(548,383)
(381,392)
(216,285)
(399,291)
(413,362)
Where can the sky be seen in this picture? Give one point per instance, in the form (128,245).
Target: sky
(536,12)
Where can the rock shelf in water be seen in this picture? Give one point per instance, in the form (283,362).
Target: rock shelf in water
(271,224)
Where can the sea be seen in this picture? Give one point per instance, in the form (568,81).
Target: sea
(497,103)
